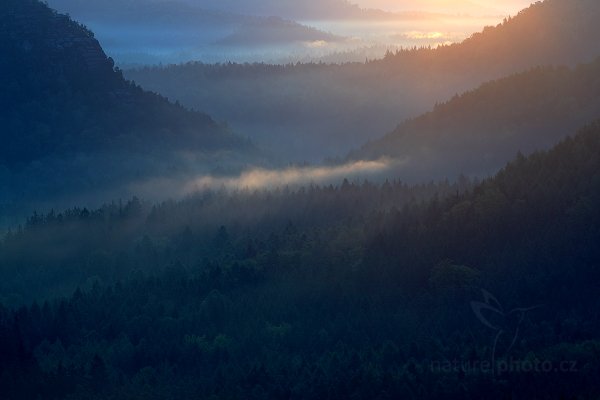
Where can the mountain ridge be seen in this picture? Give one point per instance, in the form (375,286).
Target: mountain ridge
(478,131)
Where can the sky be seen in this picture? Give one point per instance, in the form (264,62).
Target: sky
(452,6)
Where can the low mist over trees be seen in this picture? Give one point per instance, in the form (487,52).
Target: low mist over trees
(369,301)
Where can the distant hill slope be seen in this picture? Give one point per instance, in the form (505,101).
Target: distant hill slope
(327,110)
(71,122)
(479,131)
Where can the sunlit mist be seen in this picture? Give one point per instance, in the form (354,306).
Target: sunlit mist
(474,7)
(262,178)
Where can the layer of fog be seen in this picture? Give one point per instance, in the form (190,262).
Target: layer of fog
(91,181)
(470,7)
(257,178)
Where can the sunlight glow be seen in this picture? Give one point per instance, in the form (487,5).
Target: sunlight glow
(263,178)
(316,44)
(424,35)
(473,7)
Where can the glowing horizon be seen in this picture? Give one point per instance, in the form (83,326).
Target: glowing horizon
(475,7)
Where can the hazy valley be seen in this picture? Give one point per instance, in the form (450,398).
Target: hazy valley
(309,112)
(419,225)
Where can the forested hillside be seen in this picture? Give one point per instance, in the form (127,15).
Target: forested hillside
(478,131)
(62,94)
(64,103)
(327,110)
(118,240)
(354,292)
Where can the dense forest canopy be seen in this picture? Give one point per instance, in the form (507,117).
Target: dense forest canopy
(356,291)
(117,229)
